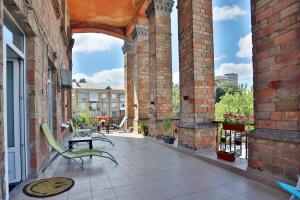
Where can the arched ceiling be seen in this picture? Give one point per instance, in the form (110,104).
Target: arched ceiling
(112,17)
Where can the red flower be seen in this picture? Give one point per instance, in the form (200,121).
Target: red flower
(250,118)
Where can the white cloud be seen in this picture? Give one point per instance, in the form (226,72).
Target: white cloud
(245,71)
(245,46)
(226,13)
(176,78)
(113,76)
(218,58)
(91,42)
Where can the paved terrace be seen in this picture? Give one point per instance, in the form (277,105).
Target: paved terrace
(150,171)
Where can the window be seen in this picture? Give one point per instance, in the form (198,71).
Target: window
(82,106)
(122,106)
(114,105)
(104,105)
(93,96)
(82,97)
(13,34)
(122,97)
(93,106)
(103,96)
(113,96)
(114,114)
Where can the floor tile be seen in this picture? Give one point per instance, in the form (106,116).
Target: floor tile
(150,171)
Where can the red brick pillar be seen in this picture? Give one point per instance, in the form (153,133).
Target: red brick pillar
(140,37)
(197,84)
(160,62)
(274,146)
(128,50)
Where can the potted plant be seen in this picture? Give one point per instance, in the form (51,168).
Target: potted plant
(167,127)
(235,122)
(143,128)
(228,156)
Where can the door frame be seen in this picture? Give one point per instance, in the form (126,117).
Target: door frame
(24,137)
(16,65)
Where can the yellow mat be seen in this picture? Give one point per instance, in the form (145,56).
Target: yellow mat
(48,187)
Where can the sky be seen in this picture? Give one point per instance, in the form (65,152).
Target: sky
(99,59)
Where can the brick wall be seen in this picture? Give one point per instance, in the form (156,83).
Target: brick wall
(160,62)
(274,145)
(276,58)
(47,42)
(140,38)
(276,153)
(197,84)
(129,82)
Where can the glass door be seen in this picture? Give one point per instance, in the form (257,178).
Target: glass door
(13,120)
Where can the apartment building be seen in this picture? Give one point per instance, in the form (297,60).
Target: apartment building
(231,77)
(101,100)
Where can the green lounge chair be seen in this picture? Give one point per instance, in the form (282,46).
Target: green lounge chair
(68,153)
(88,132)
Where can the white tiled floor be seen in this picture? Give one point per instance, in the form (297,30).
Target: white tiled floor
(150,171)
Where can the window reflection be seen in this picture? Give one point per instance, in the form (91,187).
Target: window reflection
(13,34)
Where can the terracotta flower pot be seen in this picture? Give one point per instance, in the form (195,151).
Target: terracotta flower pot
(226,156)
(234,127)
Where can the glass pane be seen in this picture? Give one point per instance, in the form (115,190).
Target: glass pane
(10,104)
(13,34)
(93,96)
(50,100)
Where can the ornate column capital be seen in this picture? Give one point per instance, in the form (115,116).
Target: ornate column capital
(160,7)
(140,31)
(128,47)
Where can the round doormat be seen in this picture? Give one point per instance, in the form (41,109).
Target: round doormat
(48,187)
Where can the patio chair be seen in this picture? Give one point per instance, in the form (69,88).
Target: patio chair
(68,153)
(88,132)
(294,191)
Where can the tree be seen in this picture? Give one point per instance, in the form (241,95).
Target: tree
(239,103)
(82,80)
(227,87)
(176,102)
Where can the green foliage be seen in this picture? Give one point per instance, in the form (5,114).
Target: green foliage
(238,103)
(176,102)
(228,88)
(82,118)
(143,128)
(167,125)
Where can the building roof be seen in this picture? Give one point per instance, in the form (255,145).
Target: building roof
(96,86)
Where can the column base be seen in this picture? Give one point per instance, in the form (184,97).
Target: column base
(129,123)
(275,152)
(197,136)
(155,128)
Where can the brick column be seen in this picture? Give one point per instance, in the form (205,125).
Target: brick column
(274,146)
(160,62)
(197,84)
(140,37)
(128,50)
